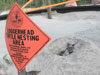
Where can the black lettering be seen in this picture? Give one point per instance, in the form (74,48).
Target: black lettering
(30,32)
(36,38)
(18,42)
(11,36)
(24,37)
(22,43)
(19,37)
(27,37)
(16,31)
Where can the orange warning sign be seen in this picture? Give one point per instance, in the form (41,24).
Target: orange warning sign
(24,38)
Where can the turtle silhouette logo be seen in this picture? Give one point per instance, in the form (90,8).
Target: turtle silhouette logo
(16,19)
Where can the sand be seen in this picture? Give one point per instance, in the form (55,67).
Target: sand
(80,27)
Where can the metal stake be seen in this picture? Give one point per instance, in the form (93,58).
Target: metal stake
(22,73)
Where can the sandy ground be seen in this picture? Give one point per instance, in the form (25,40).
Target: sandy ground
(80,27)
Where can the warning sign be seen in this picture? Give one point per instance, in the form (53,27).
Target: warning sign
(24,38)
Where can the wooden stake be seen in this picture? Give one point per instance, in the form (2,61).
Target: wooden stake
(49,9)
(22,73)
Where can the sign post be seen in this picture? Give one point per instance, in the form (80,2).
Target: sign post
(24,39)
